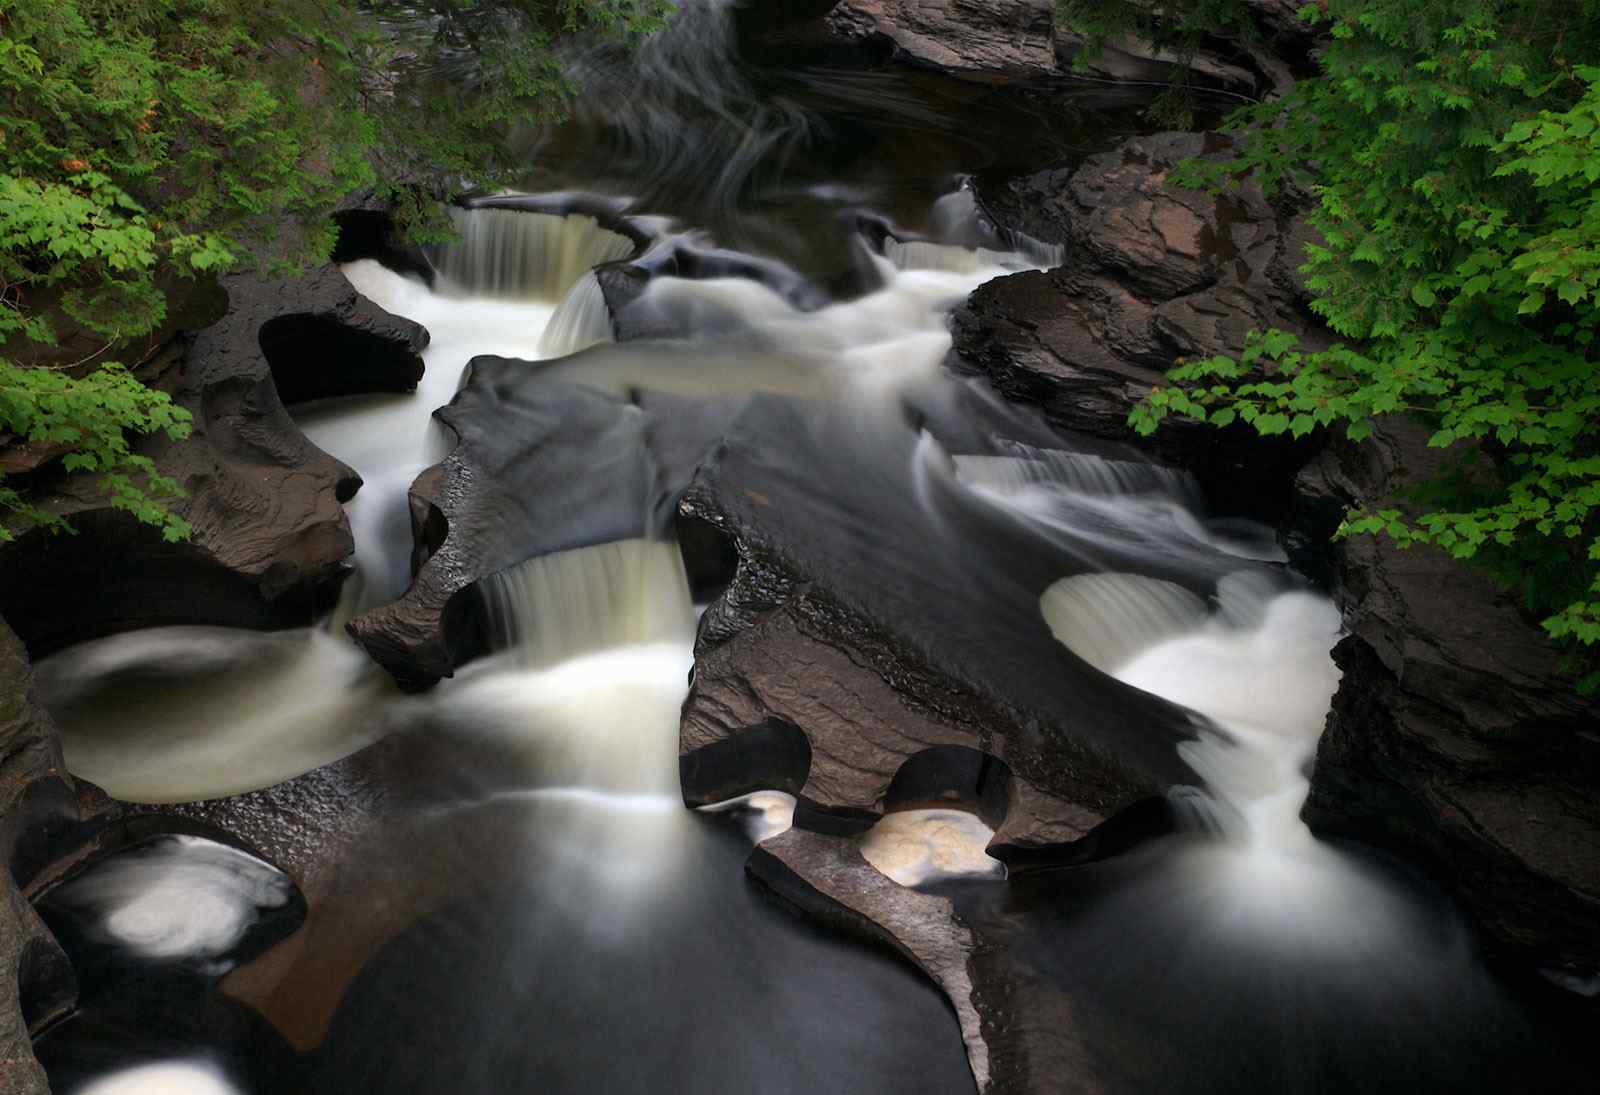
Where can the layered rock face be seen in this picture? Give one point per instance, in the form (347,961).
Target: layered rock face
(1154,274)
(270,535)
(1007,40)
(1454,738)
(36,981)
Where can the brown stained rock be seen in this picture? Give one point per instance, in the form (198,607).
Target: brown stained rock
(270,535)
(856,625)
(861,730)
(1455,739)
(1022,40)
(1153,275)
(970,36)
(36,982)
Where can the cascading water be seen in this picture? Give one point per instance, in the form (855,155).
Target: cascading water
(529,906)
(523,255)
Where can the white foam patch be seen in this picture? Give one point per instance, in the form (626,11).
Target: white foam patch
(1107,619)
(163,1078)
(914,847)
(764,814)
(1260,669)
(182,897)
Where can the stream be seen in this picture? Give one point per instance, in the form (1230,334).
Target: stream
(513,896)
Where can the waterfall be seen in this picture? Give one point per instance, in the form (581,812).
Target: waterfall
(571,603)
(922,255)
(582,319)
(523,255)
(1106,619)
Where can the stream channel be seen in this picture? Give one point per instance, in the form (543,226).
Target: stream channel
(500,888)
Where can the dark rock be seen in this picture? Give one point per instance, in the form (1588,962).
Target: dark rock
(321,338)
(1455,740)
(36,981)
(1008,40)
(537,468)
(826,879)
(542,463)
(1153,275)
(860,618)
(270,535)
(369,232)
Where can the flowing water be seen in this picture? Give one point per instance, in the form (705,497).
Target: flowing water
(522,903)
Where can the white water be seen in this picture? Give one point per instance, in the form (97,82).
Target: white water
(916,847)
(186,713)
(523,255)
(186,1077)
(180,897)
(582,320)
(764,814)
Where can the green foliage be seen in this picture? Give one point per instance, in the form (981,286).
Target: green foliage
(1452,154)
(165,139)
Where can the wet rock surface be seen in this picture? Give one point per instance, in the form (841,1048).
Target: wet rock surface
(538,467)
(1455,740)
(270,535)
(36,982)
(1153,275)
(996,40)
(938,647)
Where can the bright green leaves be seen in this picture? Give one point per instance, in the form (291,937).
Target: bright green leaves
(142,142)
(93,415)
(1453,155)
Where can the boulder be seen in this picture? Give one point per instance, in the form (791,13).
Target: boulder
(538,466)
(541,464)
(270,535)
(1153,275)
(861,631)
(1455,740)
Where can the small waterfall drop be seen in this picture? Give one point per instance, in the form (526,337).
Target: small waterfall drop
(583,319)
(571,603)
(922,255)
(523,255)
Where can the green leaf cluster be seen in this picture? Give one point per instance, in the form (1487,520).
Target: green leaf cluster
(1451,152)
(149,142)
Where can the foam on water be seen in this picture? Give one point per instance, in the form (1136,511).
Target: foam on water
(916,847)
(186,713)
(582,320)
(764,814)
(184,1077)
(178,898)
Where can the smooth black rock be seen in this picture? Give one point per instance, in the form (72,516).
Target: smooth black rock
(270,538)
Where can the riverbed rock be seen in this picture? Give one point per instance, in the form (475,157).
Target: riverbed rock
(36,982)
(1017,1022)
(539,466)
(1012,40)
(1153,275)
(270,537)
(1455,740)
(823,674)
